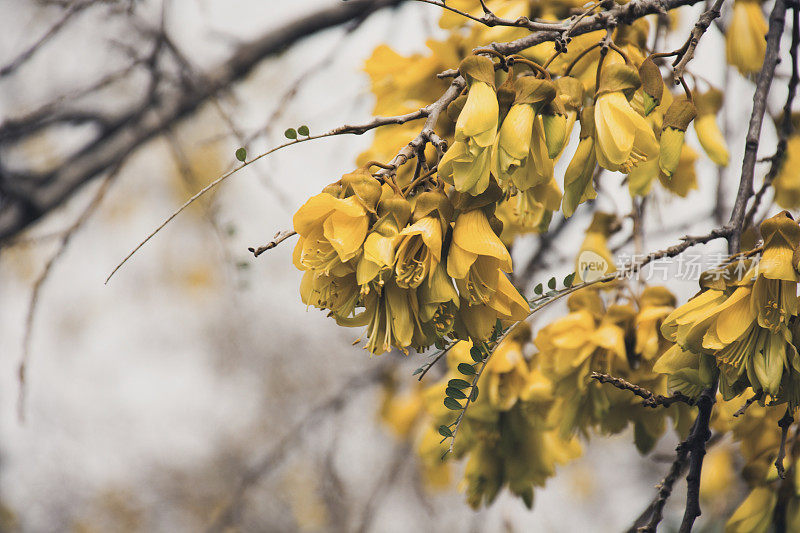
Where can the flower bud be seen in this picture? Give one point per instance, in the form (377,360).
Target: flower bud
(652,85)
(676,120)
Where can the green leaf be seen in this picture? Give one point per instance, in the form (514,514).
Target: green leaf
(538,289)
(455,393)
(458,384)
(290,133)
(550,294)
(569,279)
(418,371)
(303,130)
(466,369)
(451,404)
(241,154)
(476,353)
(551,283)
(444,431)
(474,394)
(498,330)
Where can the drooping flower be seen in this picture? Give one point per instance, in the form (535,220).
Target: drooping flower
(419,252)
(467,163)
(655,304)
(684,178)
(624,138)
(705,125)
(578,176)
(787,182)
(520,155)
(378,258)
(331,231)
(477,260)
(745,42)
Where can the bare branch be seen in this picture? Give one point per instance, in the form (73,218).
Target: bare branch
(24,56)
(700,27)
(29,195)
(276,240)
(650,399)
(763,84)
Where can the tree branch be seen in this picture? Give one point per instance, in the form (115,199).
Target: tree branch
(650,399)
(28,195)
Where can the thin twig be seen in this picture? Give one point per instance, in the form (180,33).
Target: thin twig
(51,32)
(650,399)
(700,27)
(276,240)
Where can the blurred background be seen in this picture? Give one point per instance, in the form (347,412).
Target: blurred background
(195,391)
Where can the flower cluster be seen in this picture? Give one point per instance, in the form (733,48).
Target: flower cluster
(415,271)
(746,328)
(509,435)
(618,339)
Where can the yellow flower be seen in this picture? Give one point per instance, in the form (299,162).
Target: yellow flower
(331,230)
(746,324)
(419,252)
(506,373)
(655,304)
(339,294)
(520,153)
(745,42)
(624,139)
(391,317)
(787,182)
(476,260)
(676,120)
(711,139)
(684,179)
(467,163)
(438,301)
(578,177)
(536,205)
(379,246)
